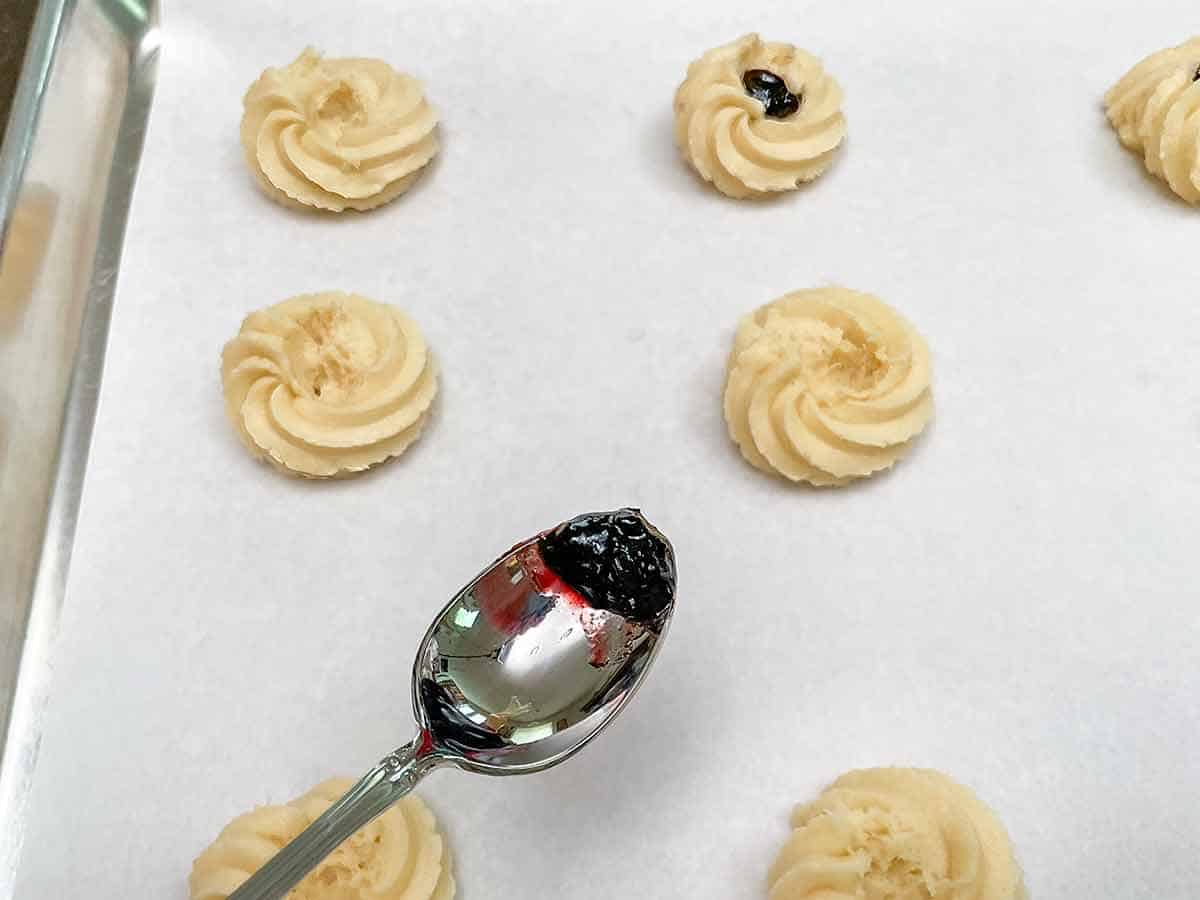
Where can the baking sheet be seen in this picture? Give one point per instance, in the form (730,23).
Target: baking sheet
(1015,604)
(67,167)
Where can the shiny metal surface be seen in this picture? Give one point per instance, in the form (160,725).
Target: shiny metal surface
(67,168)
(514,676)
(37,48)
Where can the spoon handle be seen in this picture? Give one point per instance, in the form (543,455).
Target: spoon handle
(394,776)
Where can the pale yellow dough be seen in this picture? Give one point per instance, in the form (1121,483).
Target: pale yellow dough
(337,134)
(1155,109)
(826,385)
(726,135)
(329,384)
(399,856)
(896,834)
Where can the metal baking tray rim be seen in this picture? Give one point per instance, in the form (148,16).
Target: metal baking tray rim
(132,28)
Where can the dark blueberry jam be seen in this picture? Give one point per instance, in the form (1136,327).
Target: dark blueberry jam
(616,561)
(772,92)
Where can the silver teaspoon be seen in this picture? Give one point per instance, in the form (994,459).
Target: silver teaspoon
(523,667)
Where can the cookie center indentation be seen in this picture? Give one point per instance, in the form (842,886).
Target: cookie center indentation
(772,92)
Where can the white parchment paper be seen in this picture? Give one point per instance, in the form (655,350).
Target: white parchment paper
(1016,604)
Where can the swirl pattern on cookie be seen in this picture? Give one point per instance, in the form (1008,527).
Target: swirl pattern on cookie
(399,856)
(885,834)
(826,385)
(337,134)
(323,385)
(1155,109)
(754,118)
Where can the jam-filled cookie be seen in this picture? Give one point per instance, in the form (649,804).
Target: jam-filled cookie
(1155,109)
(755,117)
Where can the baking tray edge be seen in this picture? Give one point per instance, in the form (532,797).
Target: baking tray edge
(134,26)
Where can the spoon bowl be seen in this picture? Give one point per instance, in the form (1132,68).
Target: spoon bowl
(520,670)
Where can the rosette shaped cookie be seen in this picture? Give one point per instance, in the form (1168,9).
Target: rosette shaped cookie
(330,384)
(399,856)
(755,118)
(896,834)
(826,385)
(1155,109)
(337,134)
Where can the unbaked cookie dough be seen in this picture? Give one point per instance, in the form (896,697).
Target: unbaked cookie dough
(896,834)
(755,118)
(826,385)
(337,134)
(324,385)
(1155,109)
(399,856)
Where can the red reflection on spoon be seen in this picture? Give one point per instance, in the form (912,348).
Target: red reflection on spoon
(503,596)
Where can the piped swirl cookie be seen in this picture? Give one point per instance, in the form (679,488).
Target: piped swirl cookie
(755,118)
(337,134)
(887,834)
(1155,109)
(323,385)
(826,385)
(399,856)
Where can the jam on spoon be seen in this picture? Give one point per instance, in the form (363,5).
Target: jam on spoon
(772,92)
(617,561)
